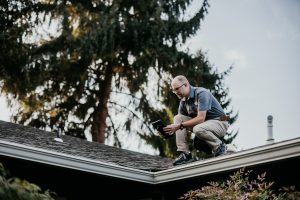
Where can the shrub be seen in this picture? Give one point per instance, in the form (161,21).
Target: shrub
(240,187)
(12,188)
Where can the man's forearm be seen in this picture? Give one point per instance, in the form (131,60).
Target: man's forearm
(192,122)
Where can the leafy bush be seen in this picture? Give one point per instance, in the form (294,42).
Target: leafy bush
(14,188)
(240,187)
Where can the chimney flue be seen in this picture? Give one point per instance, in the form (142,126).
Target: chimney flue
(270,139)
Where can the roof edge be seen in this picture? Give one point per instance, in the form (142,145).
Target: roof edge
(264,154)
(255,156)
(73,162)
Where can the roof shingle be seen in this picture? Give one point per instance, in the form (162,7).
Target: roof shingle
(37,138)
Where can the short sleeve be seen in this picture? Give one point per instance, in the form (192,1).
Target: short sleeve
(204,100)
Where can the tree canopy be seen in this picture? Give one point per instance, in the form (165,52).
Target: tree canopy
(77,66)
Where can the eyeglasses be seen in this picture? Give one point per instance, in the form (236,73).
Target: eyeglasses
(176,89)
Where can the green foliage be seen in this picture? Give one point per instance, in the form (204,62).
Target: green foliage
(240,187)
(12,188)
(77,66)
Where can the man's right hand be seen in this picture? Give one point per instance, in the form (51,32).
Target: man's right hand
(171,129)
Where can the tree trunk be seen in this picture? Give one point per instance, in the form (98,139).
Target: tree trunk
(100,114)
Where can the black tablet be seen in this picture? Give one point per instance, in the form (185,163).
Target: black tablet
(159,125)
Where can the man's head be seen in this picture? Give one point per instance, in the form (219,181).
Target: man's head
(181,86)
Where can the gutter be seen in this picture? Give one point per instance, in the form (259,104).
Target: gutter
(252,157)
(259,155)
(39,155)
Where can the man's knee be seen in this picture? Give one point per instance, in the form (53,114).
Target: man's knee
(179,118)
(199,130)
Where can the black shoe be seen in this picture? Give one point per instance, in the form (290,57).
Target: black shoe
(183,158)
(221,150)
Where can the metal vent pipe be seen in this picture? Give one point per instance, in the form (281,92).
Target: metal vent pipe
(270,139)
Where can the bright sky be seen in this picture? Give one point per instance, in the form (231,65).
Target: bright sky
(262,39)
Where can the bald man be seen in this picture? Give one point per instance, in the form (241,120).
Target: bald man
(200,112)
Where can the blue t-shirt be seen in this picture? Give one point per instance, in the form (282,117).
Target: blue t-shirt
(200,99)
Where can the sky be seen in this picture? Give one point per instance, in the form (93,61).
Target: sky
(261,39)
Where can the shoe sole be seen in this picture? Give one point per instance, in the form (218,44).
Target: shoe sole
(222,154)
(186,162)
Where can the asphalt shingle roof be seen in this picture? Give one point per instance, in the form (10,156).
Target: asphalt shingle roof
(37,138)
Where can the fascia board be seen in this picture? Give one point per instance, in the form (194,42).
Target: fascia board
(246,158)
(264,154)
(73,162)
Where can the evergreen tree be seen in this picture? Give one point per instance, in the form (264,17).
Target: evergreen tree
(74,65)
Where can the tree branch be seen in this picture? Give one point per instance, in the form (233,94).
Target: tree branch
(115,132)
(127,94)
(126,108)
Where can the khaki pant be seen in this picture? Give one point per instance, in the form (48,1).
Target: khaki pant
(209,131)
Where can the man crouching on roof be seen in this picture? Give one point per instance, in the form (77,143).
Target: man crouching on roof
(200,112)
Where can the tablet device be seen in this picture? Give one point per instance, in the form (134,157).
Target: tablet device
(159,125)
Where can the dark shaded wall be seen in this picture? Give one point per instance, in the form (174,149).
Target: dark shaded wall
(72,184)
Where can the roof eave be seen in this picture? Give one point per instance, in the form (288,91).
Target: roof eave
(251,157)
(73,162)
(264,154)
